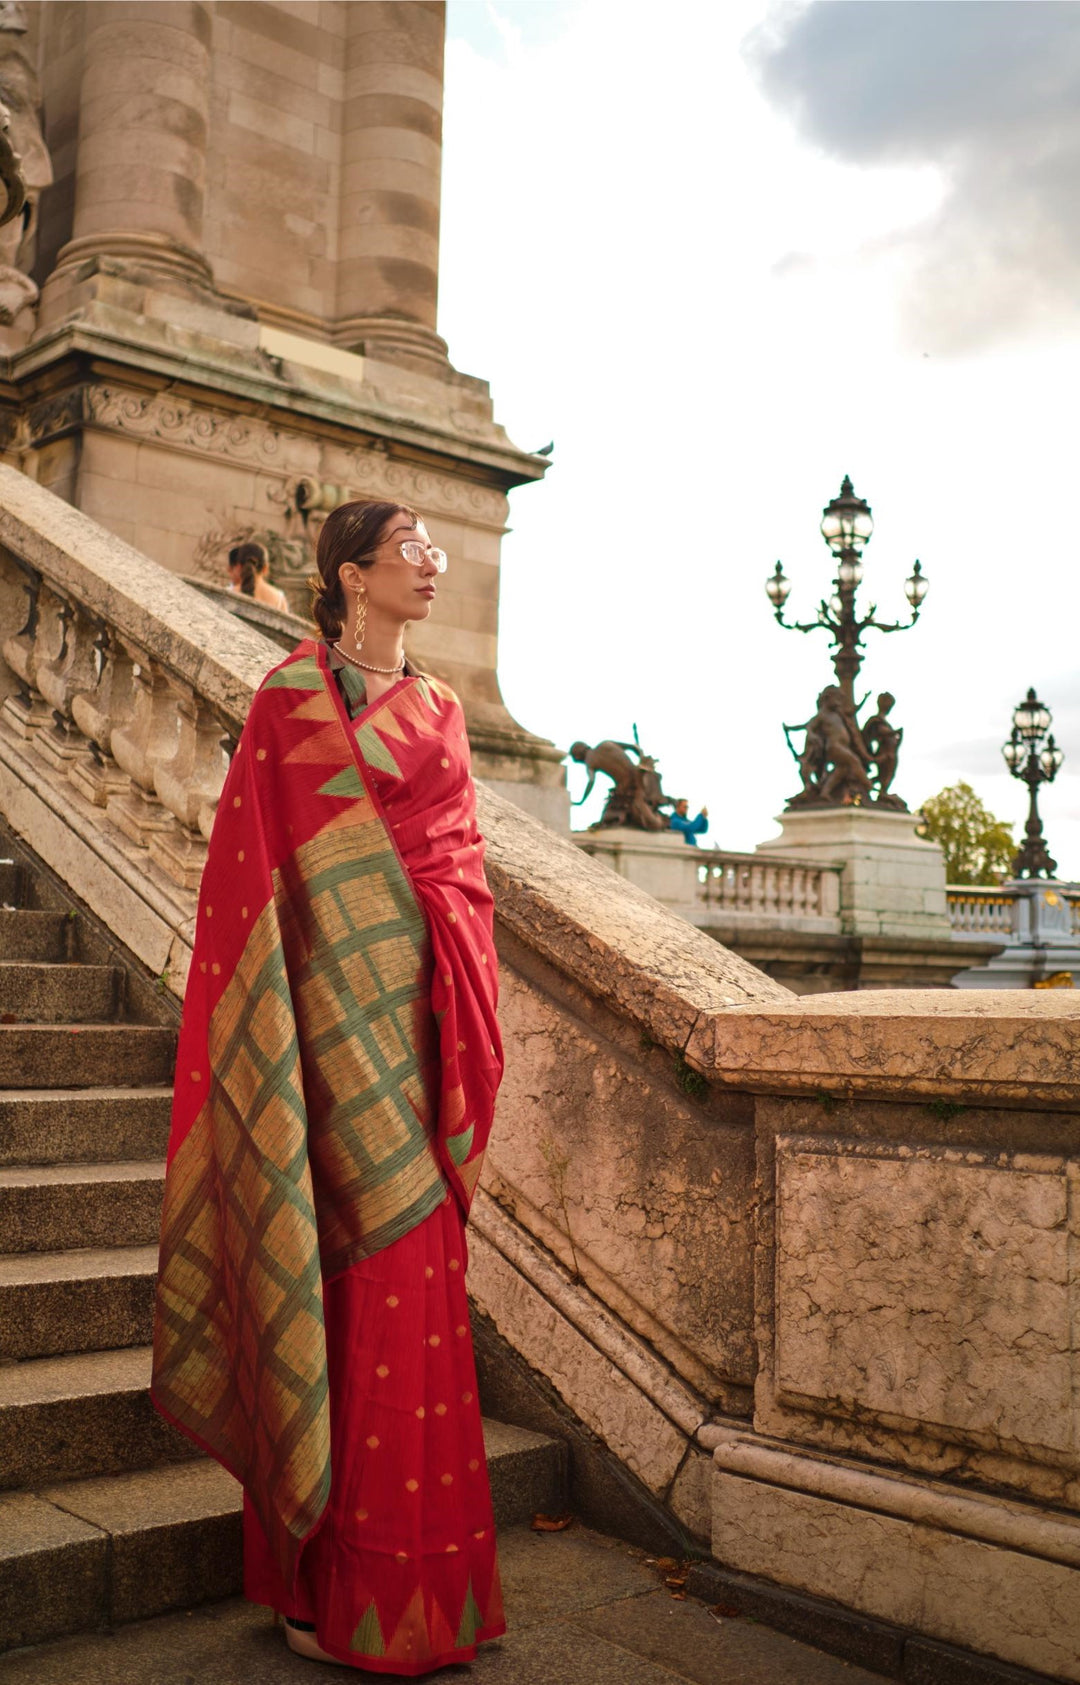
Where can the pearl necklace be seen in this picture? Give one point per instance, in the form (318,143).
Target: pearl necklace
(365,665)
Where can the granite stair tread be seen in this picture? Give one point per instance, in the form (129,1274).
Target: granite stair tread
(86,1174)
(48,1380)
(78,1299)
(581,1609)
(78,1263)
(58,991)
(46,1207)
(74,1125)
(84,1055)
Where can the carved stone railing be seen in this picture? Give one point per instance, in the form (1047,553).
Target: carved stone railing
(983,910)
(116,719)
(710,884)
(1015,913)
(770,888)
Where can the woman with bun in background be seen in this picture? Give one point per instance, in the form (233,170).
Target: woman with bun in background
(249,572)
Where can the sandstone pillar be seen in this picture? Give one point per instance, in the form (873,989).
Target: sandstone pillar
(143,118)
(390,180)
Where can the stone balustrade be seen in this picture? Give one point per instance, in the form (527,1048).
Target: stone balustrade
(1015,912)
(981,910)
(116,717)
(772,888)
(712,884)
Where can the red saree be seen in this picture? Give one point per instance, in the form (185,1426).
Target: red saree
(336,1076)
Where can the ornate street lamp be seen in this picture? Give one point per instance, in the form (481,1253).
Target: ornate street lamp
(846,527)
(841,762)
(1032,755)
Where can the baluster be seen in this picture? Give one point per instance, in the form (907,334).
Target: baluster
(186,783)
(146,741)
(39,640)
(208,811)
(755,889)
(98,711)
(62,745)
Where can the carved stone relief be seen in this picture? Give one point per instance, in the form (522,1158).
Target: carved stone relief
(26,169)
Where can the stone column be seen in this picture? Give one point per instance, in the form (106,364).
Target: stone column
(143,117)
(388,262)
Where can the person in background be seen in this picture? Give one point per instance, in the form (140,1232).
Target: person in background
(249,572)
(691,828)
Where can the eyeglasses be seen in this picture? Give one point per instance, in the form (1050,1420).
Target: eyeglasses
(413,551)
(417,553)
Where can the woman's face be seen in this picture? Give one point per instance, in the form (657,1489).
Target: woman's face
(395,587)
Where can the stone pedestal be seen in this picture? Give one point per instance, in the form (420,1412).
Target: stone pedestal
(893,882)
(657,861)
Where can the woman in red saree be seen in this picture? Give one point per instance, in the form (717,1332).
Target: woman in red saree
(336,1077)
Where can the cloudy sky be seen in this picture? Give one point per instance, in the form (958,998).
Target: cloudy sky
(723,255)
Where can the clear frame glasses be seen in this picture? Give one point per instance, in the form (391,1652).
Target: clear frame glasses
(417,553)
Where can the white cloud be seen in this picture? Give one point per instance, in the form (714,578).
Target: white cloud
(985,92)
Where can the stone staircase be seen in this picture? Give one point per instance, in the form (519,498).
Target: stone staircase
(106,1515)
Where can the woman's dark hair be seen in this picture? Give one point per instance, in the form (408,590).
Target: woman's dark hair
(251,559)
(350,533)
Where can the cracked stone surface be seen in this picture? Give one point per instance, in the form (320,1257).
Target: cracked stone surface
(594,1142)
(1019,1608)
(1010,1046)
(928,1284)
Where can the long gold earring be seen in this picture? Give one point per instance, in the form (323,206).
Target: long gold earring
(361,617)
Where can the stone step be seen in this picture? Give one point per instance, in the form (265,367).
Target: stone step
(84,1055)
(77,1301)
(33,935)
(91,1553)
(44,1208)
(69,1418)
(36,992)
(69,1125)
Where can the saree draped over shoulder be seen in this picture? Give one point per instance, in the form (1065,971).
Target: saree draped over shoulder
(338,1062)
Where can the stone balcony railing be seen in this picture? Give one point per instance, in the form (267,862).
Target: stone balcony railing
(716,884)
(771,888)
(1015,912)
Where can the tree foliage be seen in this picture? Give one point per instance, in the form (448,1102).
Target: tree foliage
(978,848)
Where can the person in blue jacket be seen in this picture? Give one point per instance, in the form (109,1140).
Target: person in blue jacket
(691,828)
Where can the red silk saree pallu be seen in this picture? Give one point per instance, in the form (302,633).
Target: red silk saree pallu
(338,1063)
